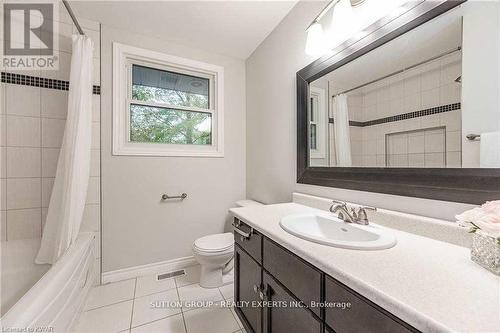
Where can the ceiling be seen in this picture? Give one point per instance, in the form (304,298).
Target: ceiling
(231,28)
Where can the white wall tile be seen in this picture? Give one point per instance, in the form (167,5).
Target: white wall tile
(64,67)
(96,71)
(93,192)
(23,193)
(23,131)
(23,162)
(398,161)
(3,194)
(431,77)
(454,141)
(3,225)
(398,144)
(449,94)
(434,160)
(430,121)
(44,217)
(22,100)
(369,160)
(412,102)
(96,135)
(3,131)
(3,162)
(96,108)
(454,159)
(95,163)
(49,161)
(24,223)
(450,70)
(54,103)
(452,120)
(412,85)
(2,96)
(47,185)
(434,143)
(380,160)
(52,132)
(416,144)
(430,98)
(416,160)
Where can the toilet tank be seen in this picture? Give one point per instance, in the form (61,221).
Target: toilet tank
(246,203)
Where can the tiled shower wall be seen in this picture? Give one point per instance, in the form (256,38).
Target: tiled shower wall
(32,121)
(428,86)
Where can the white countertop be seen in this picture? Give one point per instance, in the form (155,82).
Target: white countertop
(432,285)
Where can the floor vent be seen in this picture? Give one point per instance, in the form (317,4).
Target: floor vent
(170,275)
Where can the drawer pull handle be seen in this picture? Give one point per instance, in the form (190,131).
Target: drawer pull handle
(244,235)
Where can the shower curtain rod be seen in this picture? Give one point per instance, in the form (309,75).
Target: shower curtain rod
(73,17)
(401,70)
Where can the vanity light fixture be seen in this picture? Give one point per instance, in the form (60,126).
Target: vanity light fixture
(315,44)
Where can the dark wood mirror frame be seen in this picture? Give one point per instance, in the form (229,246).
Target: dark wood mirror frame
(466,185)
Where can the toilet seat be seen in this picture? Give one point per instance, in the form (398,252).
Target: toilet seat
(215,243)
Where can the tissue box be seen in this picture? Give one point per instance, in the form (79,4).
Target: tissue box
(485,251)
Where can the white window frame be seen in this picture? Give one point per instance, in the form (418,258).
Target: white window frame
(124,56)
(318,95)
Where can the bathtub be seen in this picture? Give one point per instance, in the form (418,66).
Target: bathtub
(54,302)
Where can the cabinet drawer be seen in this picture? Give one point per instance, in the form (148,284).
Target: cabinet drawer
(279,319)
(361,316)
(247,278)
(252,244)
(300,277)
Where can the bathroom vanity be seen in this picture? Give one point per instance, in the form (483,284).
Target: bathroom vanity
(287,284)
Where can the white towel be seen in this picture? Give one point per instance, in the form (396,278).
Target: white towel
(490,150)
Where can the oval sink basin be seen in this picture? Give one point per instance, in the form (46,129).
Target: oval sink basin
(329,230)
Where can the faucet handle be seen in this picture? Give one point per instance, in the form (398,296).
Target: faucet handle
(367,208)
(336,202)
(361,215)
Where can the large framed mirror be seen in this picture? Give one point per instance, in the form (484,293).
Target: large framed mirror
(409,107)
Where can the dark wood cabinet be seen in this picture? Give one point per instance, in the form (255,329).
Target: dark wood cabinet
(300,277)
(247,284)
(252,243)
(278,292)
(362,315)
(284,313)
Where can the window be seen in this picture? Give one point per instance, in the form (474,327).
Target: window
(317,120)
(165,105)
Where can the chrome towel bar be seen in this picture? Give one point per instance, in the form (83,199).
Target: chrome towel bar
(168,197)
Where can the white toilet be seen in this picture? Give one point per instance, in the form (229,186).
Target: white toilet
(215,254)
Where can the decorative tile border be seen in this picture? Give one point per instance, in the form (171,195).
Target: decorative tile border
(34,81)
(409,115)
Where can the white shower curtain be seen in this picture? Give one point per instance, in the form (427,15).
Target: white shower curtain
(341,127)
(69,193)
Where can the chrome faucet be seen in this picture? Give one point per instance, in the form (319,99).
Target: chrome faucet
(349,214)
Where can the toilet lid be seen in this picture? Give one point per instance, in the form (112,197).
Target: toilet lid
(215,243)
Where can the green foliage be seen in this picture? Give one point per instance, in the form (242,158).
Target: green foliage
(163,125)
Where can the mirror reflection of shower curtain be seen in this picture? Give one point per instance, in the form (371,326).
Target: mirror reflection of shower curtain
(69,193)
(341,129)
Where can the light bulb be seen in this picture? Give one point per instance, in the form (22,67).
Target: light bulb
(315,44)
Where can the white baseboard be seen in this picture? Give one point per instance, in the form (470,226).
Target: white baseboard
(157,267)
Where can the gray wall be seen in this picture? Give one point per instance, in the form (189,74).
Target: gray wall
(137,228)
(271,116)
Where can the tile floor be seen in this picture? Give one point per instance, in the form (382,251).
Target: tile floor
(127,306)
